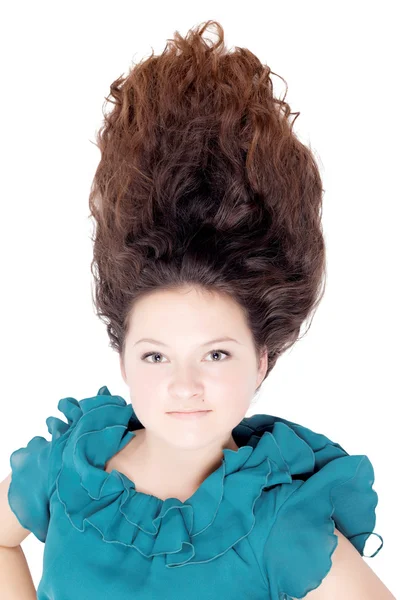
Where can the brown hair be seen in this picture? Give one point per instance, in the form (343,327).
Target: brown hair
(202,182)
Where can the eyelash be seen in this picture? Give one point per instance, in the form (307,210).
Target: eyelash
(211,351)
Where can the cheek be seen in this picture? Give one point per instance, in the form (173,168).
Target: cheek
(235,399)
(141,394)
(146,411)
(235,382)
(231,402)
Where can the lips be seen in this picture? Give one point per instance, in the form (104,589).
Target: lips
(192,415)
(186,411)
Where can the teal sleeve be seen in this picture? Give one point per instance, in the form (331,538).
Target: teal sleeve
(28,492)
(301,541)
(33,472)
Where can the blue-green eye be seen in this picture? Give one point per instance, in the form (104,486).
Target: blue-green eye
(159,354)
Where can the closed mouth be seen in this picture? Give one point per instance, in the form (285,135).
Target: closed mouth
(187,411)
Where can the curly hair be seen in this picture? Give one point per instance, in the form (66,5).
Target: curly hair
(203,183)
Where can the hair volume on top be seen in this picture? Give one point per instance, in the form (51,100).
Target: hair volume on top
(202,182)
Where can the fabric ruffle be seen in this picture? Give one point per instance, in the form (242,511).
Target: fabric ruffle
(299,548)
(193,531)
(28,495)
(330,489)
(272,452)
(220,513)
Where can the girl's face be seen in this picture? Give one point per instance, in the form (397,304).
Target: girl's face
(186,368)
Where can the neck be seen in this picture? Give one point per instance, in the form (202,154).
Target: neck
(178,471)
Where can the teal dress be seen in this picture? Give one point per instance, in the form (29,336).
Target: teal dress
(259,527)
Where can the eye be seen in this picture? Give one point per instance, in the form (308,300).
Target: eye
(219,352)
(151,354)
(159,354)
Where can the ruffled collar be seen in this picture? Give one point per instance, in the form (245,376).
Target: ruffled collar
(271,451)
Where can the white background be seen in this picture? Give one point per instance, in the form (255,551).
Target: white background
(57,63)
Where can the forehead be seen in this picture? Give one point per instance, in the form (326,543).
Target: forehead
(186,311)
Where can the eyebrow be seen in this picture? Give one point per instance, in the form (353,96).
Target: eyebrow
(224,339)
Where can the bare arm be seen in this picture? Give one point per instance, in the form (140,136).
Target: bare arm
(350,577)
(15,577)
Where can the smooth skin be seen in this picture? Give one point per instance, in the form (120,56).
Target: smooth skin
(350,577)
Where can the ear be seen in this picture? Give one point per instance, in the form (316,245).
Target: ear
(263,367)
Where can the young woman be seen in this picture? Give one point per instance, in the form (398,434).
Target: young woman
(208,259)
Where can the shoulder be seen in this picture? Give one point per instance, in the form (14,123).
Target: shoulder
(315,489)
(350,577)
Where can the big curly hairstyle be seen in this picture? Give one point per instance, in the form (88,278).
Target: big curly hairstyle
(202,183)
